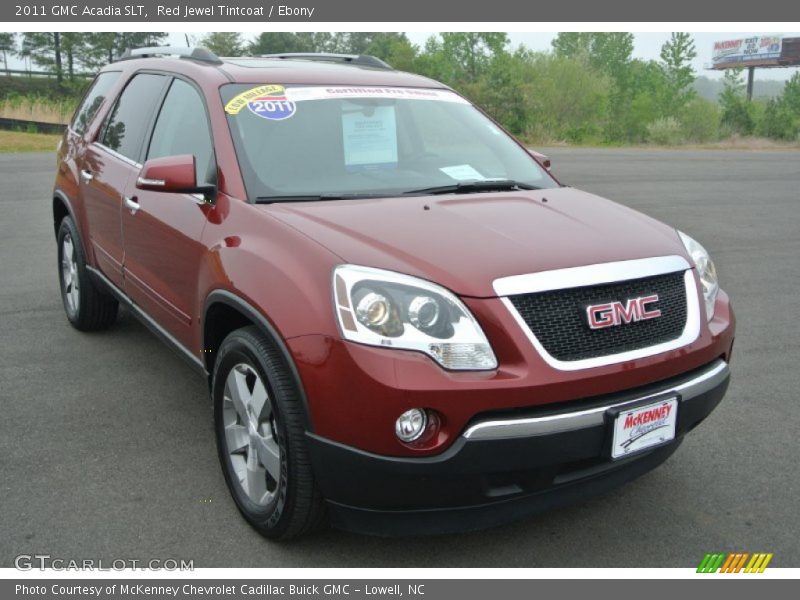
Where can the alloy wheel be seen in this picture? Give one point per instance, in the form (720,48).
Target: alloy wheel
(69,274)
(251,434)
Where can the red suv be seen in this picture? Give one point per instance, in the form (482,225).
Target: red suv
(408,325)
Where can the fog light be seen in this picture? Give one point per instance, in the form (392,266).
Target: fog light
(410,425)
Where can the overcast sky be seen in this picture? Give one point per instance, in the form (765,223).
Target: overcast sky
(646,46)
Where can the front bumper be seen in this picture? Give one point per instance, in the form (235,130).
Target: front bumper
(504,466)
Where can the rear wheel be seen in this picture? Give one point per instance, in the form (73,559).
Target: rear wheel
(260,437)
(87,308)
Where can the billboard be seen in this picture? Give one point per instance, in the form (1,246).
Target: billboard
(756,49)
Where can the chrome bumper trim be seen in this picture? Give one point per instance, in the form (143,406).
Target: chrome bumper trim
(713,376)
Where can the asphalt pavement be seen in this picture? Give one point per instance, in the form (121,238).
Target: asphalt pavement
(106,441)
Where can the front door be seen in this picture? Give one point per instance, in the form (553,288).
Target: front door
(162,231)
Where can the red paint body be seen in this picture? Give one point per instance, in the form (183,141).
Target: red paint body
(174,174)
(173,252)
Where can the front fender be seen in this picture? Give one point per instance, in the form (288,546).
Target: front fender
(280,272)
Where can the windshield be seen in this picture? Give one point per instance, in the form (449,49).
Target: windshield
(331,141)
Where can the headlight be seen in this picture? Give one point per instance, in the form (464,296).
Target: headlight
(392,310)
(706,271)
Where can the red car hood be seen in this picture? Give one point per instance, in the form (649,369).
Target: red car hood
(465,242)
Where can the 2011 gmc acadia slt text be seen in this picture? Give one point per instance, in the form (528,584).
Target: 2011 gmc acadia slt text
(408,325)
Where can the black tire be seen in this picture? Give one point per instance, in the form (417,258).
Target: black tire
(90,309)
(293,506)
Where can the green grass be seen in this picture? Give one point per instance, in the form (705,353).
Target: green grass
(19,141)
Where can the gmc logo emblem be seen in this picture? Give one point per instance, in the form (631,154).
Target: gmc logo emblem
(616,313)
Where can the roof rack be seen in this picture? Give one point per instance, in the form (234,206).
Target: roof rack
(363,60)
(195,53)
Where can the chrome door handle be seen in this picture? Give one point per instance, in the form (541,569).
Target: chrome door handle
(86,175)
(131,204)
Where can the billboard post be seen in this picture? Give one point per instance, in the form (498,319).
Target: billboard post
(758,51)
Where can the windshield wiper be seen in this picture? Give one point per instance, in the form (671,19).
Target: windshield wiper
(486,185)
(314,197)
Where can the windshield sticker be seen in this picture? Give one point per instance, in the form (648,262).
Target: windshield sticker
(299,94)
(463,173)
(238,102)
(274,107)
(369,138)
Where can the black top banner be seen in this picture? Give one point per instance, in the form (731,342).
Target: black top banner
(446,11)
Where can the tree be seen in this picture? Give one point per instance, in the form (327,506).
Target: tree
(505,90)
(791,94)
(737,112)
(73,46)
(471,52)
(639,105)
(44,49)
(608,52)
(677,55)
(779,121)
(565,99)
(24,53)
(8,45)
(105,46)
(224,43)
(611,54)
(401,54)
(101,48)
(387,46)
(280,42)
(573,44)
(275,42)
(781,118)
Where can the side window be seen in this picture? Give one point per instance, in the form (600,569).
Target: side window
(93,99)
(182,128)
(126,128)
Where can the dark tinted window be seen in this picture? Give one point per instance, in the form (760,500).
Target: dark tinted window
(182,128)
(132,115)
(94,98)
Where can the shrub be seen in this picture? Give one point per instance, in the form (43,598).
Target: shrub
(566,97)
(779,121)
(739,115)
(700,120)
(665,132)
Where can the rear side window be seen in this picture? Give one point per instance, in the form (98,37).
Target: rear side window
(182,128)
(132,115)
(94,98)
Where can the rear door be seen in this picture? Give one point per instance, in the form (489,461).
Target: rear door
(110,162)
(162,230)
(71,180)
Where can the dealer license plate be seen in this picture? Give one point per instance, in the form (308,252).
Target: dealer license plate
(644,427)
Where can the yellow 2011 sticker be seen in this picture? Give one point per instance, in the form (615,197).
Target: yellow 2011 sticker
(238,102)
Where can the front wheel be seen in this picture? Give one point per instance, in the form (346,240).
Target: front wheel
(260,437)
